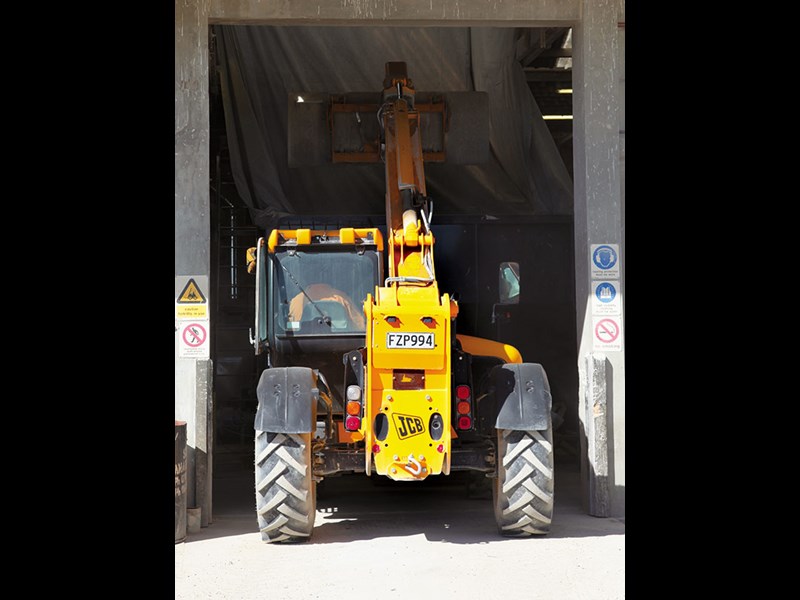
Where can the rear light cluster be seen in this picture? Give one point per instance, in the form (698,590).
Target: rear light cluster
(463,407)
(352,420)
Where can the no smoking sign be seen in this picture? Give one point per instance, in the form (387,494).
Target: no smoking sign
(193,339)
(607,333)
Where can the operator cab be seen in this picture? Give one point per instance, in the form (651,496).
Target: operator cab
(311,287)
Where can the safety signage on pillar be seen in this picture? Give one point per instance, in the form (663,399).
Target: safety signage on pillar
(606,298)
(604,260)
(193,339)
(607,333)
(192,325)
(191,301)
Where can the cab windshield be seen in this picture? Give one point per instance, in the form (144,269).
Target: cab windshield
(322,292)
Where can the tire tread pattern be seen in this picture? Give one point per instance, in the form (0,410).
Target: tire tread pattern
(284,487)
(523,490)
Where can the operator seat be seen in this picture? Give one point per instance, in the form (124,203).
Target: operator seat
(330,308)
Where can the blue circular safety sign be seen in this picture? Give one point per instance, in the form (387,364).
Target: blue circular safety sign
(605,293)
(604,257)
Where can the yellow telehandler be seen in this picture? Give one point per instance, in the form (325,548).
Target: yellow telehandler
(365,370)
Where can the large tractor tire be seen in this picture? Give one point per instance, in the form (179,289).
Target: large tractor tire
(523,488)
(285,488)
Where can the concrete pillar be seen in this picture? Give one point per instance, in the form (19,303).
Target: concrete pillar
(598,117)
(193,232)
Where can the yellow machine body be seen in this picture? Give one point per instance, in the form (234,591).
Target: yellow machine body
(408,385)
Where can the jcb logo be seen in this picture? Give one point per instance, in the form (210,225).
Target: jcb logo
(408,425)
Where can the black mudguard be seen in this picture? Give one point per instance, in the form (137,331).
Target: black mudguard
(287,400)
(522,395)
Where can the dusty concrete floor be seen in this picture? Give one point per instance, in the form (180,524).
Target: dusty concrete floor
(399,540)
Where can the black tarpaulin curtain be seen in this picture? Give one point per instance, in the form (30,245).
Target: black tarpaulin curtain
(261,65)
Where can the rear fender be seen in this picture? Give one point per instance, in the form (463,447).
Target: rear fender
(287,400)
(522,395)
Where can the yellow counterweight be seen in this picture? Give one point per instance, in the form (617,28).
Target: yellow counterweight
(408,383)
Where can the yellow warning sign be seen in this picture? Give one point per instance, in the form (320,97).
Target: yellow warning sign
(191,311)
(191,294)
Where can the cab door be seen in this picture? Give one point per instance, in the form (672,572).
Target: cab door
(259,340)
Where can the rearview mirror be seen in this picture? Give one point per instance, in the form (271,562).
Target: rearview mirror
(509,283)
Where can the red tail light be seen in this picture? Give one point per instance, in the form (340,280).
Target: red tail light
(464,407)
(353,408)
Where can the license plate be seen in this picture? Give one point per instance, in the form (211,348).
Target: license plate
(413,341)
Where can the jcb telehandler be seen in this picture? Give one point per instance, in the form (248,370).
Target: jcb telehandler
(366,372)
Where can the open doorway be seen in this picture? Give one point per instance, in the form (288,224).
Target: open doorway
(471,243)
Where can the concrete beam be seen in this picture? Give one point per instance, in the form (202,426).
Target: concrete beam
(407,13)
(533,74)
(544,47)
